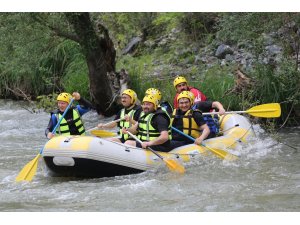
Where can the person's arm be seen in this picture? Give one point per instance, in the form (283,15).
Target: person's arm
(161,123)
(132,129)
(204,106)
(219,106)
(163,137)
(205,133)
(202,125)
(84,105)
(51,125)
(136,115)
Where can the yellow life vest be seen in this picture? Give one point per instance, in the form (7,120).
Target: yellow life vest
(189,125)
(124,123)
(64,128)
(146,132)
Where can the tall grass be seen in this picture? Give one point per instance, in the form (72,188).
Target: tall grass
(281,85)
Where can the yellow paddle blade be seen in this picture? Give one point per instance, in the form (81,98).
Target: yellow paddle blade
(173,165)
(29,170)
(270,110)
(222,154)
(103,133)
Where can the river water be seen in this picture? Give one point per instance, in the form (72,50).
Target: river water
(266,178)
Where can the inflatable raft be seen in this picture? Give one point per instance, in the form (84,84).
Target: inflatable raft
(94,157)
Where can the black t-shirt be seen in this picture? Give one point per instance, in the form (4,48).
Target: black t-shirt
(203,106)
(160,122)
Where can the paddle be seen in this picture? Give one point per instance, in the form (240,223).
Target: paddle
(29,170)
(103,133)
(172,164)
(219,152)
(270,110)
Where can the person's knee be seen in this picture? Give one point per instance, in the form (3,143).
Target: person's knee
(114,139)
(130,142)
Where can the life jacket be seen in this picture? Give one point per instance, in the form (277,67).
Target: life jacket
(188,124)
(212,122)
(124,123)
(64,127)
(146,132)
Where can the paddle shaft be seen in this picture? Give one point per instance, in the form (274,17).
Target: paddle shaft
(237,112)
(189,137)
(138,140)
(114,121)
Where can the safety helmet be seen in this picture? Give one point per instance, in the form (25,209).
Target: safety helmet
(155,92)
(179,80)
(152,99)
(65,97)
(186,94)
(132,95)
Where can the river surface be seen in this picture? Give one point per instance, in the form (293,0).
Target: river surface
(266,178)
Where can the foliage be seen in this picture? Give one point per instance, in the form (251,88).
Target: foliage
(47,102)
(278,85)
(76,78)
(36,62)
(124,26)
(198,26)
(22,44)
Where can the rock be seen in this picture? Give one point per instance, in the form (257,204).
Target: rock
(273,50)
(228,57)
(132,45)
(223,50)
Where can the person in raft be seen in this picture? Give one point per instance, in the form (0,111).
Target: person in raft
(164,105)
(181,84)
(153,127)
(130,114)
(72,123)
(189,121)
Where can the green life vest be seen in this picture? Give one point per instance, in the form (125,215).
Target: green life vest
(146,132)
(64,128)
(124,123)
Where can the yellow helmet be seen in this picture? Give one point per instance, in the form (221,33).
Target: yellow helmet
(179,80)
(152,99)
(132,95)
(186,94)
(65,97)
(155,92)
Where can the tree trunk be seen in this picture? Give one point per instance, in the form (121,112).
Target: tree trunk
(100,55)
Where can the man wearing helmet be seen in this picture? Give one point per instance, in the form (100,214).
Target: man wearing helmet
(130,113)
(153,127)
(180,84)
(164,105)
(71,124)
(188,121)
